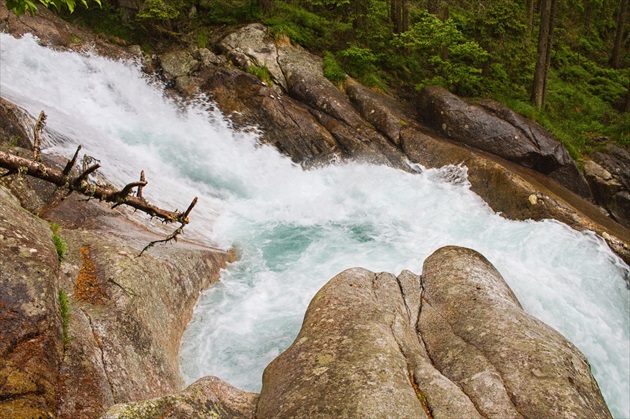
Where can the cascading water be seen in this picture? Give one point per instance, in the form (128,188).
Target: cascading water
(296,229)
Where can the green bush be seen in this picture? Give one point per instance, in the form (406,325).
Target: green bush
(332,69)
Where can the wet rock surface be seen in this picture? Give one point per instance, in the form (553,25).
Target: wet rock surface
(491,127)
(608,173)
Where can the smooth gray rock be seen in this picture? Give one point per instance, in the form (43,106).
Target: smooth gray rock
(258,47)
(491,127)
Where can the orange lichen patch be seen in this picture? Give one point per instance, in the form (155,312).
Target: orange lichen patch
(88,287)
(421,398)
(97,338)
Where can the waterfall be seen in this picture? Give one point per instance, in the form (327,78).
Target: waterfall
(296,229)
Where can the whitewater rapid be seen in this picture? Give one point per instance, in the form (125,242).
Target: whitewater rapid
(296,229)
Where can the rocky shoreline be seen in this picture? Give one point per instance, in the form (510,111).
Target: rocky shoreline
(127,314)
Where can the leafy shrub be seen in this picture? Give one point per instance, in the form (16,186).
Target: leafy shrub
(332,69)
(306,28)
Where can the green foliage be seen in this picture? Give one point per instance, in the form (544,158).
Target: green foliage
(19,7)
(202,38)
(109,21)
(229,12)
(454,62)
(64,310)
(261,72)
(306,28)
(13,141)
(161,9)
(332,69)
(60,244)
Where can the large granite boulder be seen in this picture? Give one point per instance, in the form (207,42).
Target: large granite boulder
(492,127)
(118,339)
(31,346)
(453,342)
(254,46)
(208,397)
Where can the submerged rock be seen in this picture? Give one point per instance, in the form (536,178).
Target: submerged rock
(454,342)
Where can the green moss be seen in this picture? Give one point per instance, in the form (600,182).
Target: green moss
(64,310)
(261,72)
(60,244)
(202,38)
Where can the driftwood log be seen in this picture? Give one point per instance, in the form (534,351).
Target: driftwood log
(66,180)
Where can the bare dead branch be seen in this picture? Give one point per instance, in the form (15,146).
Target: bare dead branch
(72,162)
(124,193)
(184,217)
(39,126)
(142,179)
(173,236)
(82,185)
(83,176)
(68,184)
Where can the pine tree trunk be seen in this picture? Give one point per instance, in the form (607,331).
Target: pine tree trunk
(552,25)
(543,52)
(615,58)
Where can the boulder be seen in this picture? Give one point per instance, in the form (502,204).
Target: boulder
(178,63)
(453,342)
(491,127)
(256,47)
(126,315)
(382,111)
(307,84)
(283,122)
(508,362)
(31,347)
(609,176)
(209,397)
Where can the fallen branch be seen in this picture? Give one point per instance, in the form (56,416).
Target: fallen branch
(37,140)
(65,180)
(81,184)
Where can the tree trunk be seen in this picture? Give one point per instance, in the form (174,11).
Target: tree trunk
(396,17)
(531,8)
(405,16)
(618,46)
(547,19)
(552,25)
(265,6)
(433,7)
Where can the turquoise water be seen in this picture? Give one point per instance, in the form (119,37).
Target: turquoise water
(296,229)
